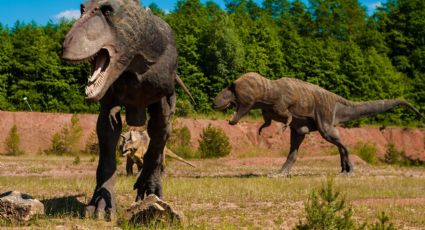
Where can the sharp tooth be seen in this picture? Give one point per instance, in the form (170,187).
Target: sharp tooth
(95,75)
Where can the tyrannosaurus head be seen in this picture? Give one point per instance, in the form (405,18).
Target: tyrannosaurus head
(105,34)
(225,99)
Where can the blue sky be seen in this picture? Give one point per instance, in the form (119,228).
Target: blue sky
(41,11)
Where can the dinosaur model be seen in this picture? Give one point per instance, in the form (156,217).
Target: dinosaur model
(134,145)
(134,61)
(303,106)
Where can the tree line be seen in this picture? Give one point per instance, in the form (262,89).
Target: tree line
(332,43)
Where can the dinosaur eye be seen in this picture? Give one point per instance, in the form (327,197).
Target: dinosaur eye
(107,10)
(82,9)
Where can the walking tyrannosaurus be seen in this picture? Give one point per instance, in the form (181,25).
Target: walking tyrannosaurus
(303,106)
(134,60)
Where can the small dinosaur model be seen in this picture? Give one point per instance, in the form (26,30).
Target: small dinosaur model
(134,145)
(134,65)
(303,106)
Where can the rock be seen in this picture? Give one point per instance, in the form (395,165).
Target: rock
(153,210)
(15,206)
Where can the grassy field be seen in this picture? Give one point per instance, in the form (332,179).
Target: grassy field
(222,193)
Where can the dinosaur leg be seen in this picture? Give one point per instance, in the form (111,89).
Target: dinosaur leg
(149,180)
(103,200)
(332,136)
(129,166)
(267,122)
(240,112)
(296,139)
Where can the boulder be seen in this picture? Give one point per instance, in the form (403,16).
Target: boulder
(153,211)
(15,206)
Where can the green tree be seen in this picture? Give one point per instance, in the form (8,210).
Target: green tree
(402,23)
(6,53)
(13,142)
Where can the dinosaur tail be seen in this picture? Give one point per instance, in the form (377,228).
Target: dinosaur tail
(170,153)
(355,110)
(181,84)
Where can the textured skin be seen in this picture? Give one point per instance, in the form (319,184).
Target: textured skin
(139,74)
(134,145)
(303,106)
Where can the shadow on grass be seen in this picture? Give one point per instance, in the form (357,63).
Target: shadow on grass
(64,206)
(240,175)
(255,175)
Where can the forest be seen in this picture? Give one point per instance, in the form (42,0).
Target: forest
(331,43)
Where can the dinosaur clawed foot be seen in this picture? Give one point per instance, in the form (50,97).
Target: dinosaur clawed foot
(101,206)
(147,185)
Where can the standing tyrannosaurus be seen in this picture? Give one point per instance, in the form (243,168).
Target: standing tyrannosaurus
(134,61)
(303,106)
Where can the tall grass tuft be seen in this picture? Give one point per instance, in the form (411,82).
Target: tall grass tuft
(179,142)
(367,152)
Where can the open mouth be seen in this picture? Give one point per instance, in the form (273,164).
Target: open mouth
(222,107)
(100,63)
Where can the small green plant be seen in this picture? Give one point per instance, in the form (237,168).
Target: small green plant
(92,159)
(13,142)
(68,139)
(92,145)
(382,224)
(214,143)
(394,156)
(77,160)
(366,151)
(183,108)
(325,209)
(179,142)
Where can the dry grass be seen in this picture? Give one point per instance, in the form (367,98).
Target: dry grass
(221,193)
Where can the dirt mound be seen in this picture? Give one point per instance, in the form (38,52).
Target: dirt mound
(36,131)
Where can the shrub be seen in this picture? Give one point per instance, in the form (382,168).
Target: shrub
(383,223)
(392,155)
(13,142)
(366,151)
(77,160)
(214,143)
(183,108)
(179,142)
(326,210)
(68,139)
(92,145)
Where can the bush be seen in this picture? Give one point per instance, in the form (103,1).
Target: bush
(383,223)
(183,108)
(179,142)
(214,143)
(366,151)
(68,139)
(394,156)
(92,145)
(77,160)
(326,210)
(13,142)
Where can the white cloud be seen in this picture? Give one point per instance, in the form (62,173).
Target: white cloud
(375,5)
(68,14)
